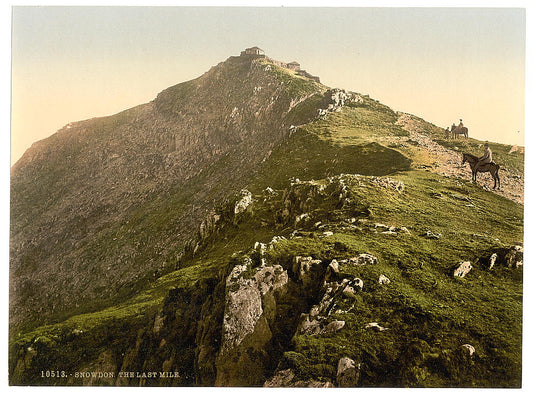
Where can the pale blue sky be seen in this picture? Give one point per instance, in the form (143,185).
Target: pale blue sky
(442,64)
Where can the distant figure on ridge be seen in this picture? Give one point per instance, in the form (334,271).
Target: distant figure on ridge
(447,133)
(459,130)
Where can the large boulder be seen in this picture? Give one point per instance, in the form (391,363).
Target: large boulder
(249,314)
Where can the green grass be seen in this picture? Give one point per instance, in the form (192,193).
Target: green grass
(424,306)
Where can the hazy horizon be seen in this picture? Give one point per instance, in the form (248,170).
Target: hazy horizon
(75,63)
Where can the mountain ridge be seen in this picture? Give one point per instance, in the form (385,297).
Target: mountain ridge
(113,163)
(345,195)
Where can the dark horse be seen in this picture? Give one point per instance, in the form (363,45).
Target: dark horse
(490,167)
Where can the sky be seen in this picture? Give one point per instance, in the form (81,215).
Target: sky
(442,64)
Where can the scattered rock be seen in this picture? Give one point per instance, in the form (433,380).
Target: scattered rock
(275,240)
(468,349)
(433,236)
(358,283)
(334,265)
(309,327)
(492,260)
(348,372)
(336,101)
(327,233)
(459,197)
(333,270)
(363,259)
(282,378)
(349,291)
(405,230)
(383,279)
(158,323)
(334,326)
(463,269)
(375,327)
(300,218)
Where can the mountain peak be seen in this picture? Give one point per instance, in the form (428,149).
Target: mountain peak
(99,174)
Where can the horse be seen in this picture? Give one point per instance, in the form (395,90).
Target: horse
(460,130)
(492,167)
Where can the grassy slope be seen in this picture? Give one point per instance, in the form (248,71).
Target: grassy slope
(429,312)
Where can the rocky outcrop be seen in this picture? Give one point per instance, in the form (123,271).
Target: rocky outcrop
(336,98)
(348,373)
(252,294)
(463,269)
(508,257)
(245,201)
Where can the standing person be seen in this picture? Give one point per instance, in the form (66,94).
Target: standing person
(485,159)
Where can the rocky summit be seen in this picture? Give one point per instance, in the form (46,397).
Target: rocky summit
(254,227)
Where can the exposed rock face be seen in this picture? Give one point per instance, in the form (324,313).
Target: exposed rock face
(172,160)
(245,201)
(348,373)
(249,314)
(309,271)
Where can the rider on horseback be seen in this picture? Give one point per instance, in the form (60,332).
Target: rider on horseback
(485,159)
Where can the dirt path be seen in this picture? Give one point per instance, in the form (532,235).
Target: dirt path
(447,162)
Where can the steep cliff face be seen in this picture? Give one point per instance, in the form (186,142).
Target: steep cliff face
(102,204)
